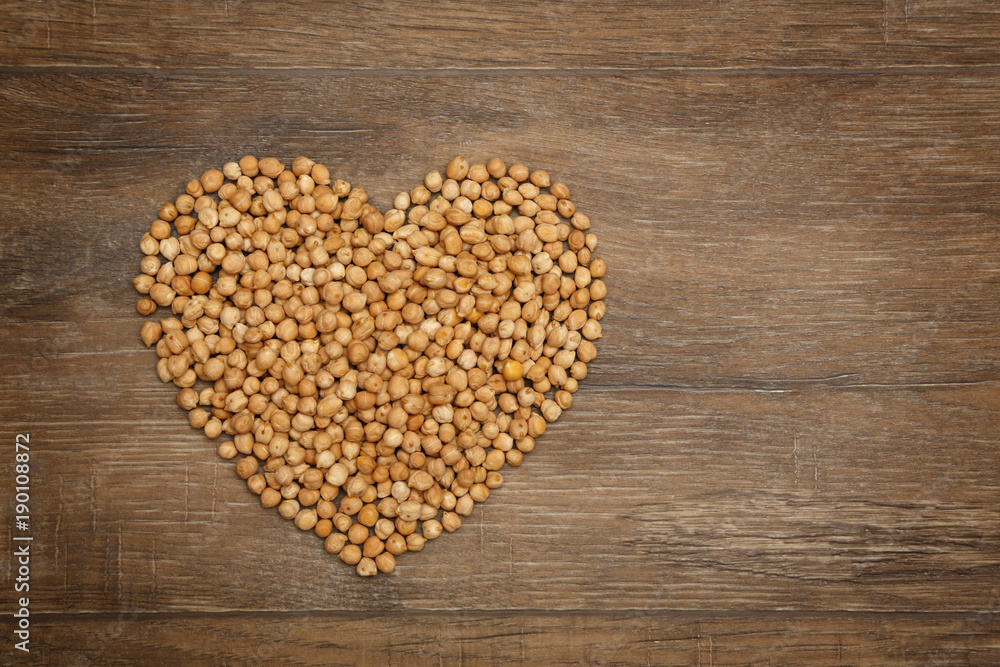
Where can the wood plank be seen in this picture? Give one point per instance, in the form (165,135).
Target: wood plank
(761,231)
(524,638)
(862,499)
(423,35)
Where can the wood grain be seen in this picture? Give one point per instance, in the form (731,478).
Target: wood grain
(443,36)
(786,452)
(527,638)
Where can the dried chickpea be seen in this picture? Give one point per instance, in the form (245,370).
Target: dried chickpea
(351,554)
(385,562)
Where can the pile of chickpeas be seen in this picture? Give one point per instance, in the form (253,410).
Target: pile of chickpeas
(372,374)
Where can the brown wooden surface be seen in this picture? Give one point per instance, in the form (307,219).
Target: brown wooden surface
(786,451)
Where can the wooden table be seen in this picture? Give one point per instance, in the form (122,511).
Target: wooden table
(786,452)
